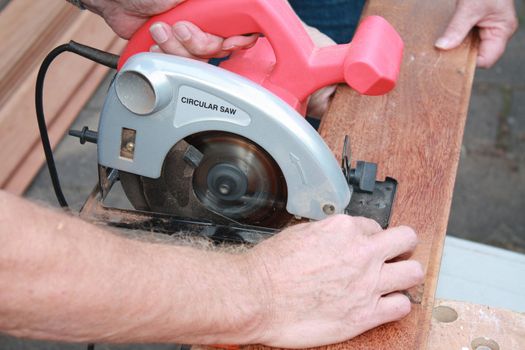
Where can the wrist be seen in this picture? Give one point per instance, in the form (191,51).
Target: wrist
(261,288)
(240,293)
(251,298)
(216,298)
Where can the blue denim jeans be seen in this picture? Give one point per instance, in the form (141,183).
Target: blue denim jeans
(335,18)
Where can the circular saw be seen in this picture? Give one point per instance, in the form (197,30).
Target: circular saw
(230,143)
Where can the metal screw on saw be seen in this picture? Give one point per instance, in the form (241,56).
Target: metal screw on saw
(329,209)
(130,147)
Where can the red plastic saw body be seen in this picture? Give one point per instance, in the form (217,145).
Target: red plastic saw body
(286,61)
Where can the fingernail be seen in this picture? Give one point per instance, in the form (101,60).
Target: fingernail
(159,33)
(229,47)
(182,32)
(155,48)
(442,43)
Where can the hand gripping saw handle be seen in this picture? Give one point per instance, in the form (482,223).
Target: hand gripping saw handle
(286,61)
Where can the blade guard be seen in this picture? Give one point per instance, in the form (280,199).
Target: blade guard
(162,99)
(286,61)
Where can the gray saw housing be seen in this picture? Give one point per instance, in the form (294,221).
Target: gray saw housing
(160,99)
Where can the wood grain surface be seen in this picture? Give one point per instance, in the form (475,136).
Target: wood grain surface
(27,29)
(31,30)
(414,133)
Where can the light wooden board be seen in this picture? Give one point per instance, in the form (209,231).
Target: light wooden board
(465,326)
(27,29)
(414,134)
(69,84)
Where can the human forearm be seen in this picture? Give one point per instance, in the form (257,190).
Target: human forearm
(63,279)
(312,284)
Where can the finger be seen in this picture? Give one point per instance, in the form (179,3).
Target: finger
(354,225)
(493,43)
(186,40)
(400,276)
(490,50)
(395,241)
(320,101)
(392,307)
(156,49)
(197,42)
(239,42)
(462,22)
(368,226)
(166,42)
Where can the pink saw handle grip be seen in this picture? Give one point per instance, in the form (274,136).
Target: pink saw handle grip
(290,65)
(274,18)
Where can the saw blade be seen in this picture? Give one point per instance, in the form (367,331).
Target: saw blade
(231,180)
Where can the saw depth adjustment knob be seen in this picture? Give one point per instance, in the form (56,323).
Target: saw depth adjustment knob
(364,176)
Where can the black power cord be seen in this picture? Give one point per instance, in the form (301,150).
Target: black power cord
(105,58)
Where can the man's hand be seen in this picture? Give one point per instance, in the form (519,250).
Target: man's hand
(328,281)
(126,16)
(182,39)
(496,20)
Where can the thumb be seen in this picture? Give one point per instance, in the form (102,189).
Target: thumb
(458,28)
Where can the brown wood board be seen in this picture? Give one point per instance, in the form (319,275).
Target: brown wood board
(70,82)
(414,133)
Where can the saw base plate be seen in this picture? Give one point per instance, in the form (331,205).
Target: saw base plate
(376,205)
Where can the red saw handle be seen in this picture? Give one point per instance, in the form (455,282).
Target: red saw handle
(286,60)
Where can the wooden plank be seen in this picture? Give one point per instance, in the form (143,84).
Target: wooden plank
(70,82)
(28,28)
(460,325)
(414,134)
(33,161)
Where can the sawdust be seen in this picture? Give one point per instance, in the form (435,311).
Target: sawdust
(183,239)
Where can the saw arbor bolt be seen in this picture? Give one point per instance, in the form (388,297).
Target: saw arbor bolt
(227,182)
